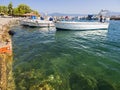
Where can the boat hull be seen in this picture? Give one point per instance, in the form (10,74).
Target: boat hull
(81,25)
(37,23)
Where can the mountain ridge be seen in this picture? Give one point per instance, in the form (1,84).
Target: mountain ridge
(65,14)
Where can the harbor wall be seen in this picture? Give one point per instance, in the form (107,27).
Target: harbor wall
(6,57)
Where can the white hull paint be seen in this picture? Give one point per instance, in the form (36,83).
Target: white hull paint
(37,23)
(81,25)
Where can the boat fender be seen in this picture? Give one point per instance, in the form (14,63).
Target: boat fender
(11,32)
(36,21)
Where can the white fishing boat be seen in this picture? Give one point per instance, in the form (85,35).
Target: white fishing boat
(102,23)
(37,23)
(72,25)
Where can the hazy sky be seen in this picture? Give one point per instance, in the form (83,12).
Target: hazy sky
(68,6)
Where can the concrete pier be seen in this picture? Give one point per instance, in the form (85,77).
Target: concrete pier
(6,80)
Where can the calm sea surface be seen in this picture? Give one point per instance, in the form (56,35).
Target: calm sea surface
(46,59)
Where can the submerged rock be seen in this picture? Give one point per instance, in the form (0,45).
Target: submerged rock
(41,87)
(104,85)
(82,82)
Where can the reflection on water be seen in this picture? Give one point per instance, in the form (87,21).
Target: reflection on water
(93,34)
(46,59)
(41,30)
(113,36)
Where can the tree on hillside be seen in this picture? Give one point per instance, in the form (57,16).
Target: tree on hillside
(15,12)
(10,9)
(18,11)
(36,12)
(3,10)
(22,8)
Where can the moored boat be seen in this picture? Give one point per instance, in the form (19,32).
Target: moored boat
(72,25)
(37,23)
(101,23)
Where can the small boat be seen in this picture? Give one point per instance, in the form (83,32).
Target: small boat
(102,23)
(37,23)
(72,25)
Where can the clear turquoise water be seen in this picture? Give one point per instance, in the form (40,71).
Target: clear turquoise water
(67,60)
